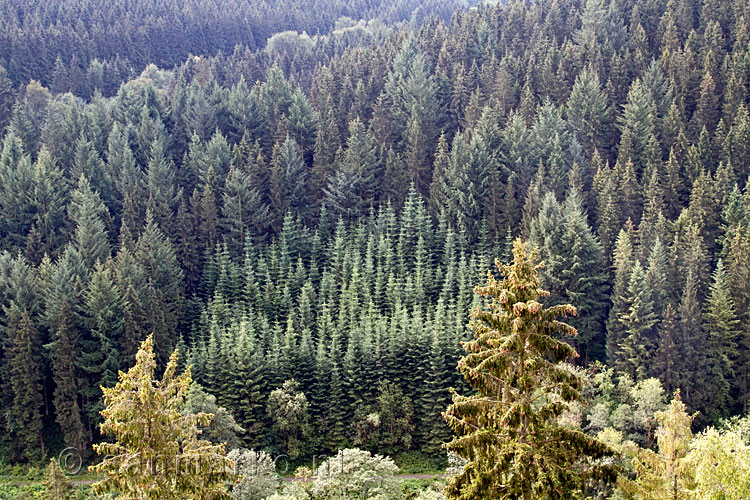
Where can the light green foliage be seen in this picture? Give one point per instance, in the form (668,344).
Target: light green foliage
(429,494)
(721,462)
(627,407)
(157,453)
(354,473)
(57,485)
(222,429)
(395,414)
(256,471)
(663,475)
(288,409)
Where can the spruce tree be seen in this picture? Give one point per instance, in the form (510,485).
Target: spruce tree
(663,474)
(25,369)
(88,214)
(638,322)
(692,343)
(588,112)
(637,123)
(103,317)
(667,360)
(623,263)
(154,440)
(161,295)
(56,484)
(515,445)
(574,267)
(722,333)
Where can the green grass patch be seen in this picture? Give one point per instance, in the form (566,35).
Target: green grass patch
(416,462)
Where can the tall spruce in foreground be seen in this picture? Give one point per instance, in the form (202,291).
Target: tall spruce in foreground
(157,453)
(509,432)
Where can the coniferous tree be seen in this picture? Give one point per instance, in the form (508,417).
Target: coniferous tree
(160,292)
(87,212)
(57,486)
(288,180)
(103,316)
(638,322)
(623,264)
(25,370)
(667,362)
(588,112)
(722,333)
(149,427)
(574,267)
(512,359)
(637,124)
(664,474)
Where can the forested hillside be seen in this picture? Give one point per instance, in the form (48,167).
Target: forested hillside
(79,45)
(320,207)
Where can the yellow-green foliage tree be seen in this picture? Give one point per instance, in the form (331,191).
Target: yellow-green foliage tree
(56,484)
(157,453)
(721,464)
(510,431)
(665,475)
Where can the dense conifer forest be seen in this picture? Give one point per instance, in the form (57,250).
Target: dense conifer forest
(300,197)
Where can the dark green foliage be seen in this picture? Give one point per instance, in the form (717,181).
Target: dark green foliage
(574,267)
(638,321)
(722,334)
(24,366)
(319,203)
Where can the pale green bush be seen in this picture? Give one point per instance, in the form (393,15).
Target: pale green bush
(354,473)
(257,475)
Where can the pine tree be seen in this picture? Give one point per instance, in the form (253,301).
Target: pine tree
(515,448)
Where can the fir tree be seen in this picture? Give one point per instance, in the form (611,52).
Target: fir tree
(664,474)
(56,485)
